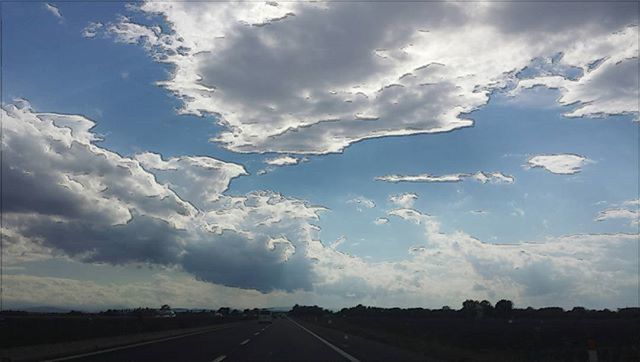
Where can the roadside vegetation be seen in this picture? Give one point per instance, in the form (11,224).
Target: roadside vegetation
(20,328)
(482,331)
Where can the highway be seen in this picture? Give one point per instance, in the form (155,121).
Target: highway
(284,339)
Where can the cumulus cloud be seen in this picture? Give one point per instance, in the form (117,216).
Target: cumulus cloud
(563,164)
(403,69)
(482,177)
(404,200)
(54,10)
(65,194)
(201,180)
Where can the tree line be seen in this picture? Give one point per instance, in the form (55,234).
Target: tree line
(470,309)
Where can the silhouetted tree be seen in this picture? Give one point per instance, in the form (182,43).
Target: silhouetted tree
(224,310)
(578,310)
(302,310)
(470,307)
(503,307)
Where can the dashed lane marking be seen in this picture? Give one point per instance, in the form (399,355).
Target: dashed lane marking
(341,352)
(112,349)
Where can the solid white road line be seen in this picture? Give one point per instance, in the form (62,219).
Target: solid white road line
(244,342)
(219,358)
(342,353)
(75,356)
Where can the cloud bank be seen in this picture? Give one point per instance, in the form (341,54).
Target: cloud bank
(307,78)
(65,194)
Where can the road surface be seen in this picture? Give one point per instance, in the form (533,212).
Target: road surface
(284,339)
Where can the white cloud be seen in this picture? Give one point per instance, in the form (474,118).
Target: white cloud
(404,200)
(339,241)
(493,177)
(421,178)
(91,30)
(623,212)
(568,270)
(632,215)
(362,201)
(54,10)
(381,221)
(286,91)
(201,180)
(609,84)
(282,161)
(563,164)
(482,177)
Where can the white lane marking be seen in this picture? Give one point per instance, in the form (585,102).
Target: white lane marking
(244,342)
(255,334)
(75,356)
(219,358)
(342,353)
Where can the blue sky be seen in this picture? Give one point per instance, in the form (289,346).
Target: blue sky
(113,82)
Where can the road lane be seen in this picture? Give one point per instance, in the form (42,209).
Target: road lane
(283,340)
(201,347)
(361,348)
(247,341)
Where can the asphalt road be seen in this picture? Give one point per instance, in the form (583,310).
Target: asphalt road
(284,339)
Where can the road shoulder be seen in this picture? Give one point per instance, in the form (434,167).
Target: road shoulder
(59,350)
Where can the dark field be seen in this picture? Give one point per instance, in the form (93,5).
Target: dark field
(44,329)
(522,335)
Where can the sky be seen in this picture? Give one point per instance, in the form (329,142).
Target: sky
(250,154)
